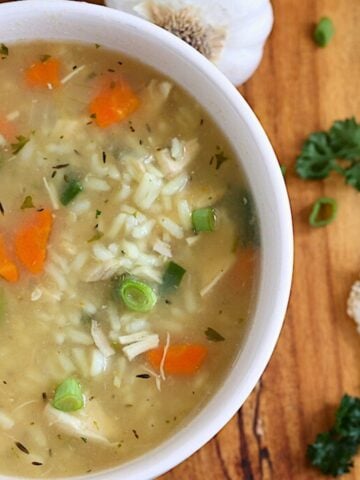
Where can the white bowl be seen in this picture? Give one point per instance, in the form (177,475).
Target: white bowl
(64,20)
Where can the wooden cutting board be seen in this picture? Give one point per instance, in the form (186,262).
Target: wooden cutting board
(300,88)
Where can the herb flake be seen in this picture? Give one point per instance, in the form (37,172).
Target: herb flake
(20,144)
(4,50)
(22,448)
(219,158)
(44,58)
(213,336)
(27,203)
(96,236)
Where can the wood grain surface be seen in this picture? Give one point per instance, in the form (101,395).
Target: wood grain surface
(297,89)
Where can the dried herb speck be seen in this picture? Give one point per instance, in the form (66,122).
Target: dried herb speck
(213,336)
(4,51)
(27,203)
(22,448)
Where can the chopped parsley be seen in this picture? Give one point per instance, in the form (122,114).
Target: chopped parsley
(98,213)
(27,203)
(213,336)
(4,51)
(332,451)
(20,144)
(337,150)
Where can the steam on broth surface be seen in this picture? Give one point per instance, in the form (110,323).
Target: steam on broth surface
(128,258)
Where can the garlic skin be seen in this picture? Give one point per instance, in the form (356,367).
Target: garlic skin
(230,33)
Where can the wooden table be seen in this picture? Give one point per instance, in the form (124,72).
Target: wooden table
(300,88)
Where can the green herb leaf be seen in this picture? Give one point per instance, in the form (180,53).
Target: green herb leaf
(27,203)
(213,336)
(324,31)
(4,51)
(98,213)
(20,144)
(332,451)
(336,150)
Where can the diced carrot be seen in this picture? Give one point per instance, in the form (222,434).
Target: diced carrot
(7,129)
(8,269)
(244,266)
(44,74)
(31,241)
(115,102)
(180,359)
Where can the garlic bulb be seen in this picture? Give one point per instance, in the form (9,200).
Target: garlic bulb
(230,33)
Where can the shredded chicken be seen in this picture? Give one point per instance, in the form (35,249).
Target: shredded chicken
(90,423)
(174,159)
(137,348)
(104,271)
(100,340)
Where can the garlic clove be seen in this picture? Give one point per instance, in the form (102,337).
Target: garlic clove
(230,33)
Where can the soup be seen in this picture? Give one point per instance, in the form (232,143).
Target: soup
(128,258)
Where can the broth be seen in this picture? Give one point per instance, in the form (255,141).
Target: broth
(102,163)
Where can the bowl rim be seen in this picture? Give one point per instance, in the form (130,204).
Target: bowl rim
(167,455)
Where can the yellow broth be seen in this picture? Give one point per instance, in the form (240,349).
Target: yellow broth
(109,229)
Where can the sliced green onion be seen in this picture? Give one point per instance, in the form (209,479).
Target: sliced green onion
(136,295)
(71,190)
(323,212)
(204,219)
(68,396)
(172,276)
(324,31)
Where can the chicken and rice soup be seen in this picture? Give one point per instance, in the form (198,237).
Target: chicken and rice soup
(129,253)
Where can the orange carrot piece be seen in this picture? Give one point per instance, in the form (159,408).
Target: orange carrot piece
(7,129)
(8,269)
(31,241)
(180,359)
(115,102)
(244,266)
(44,74)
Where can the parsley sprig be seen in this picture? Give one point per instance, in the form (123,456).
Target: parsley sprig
(336,150)
(332,451)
